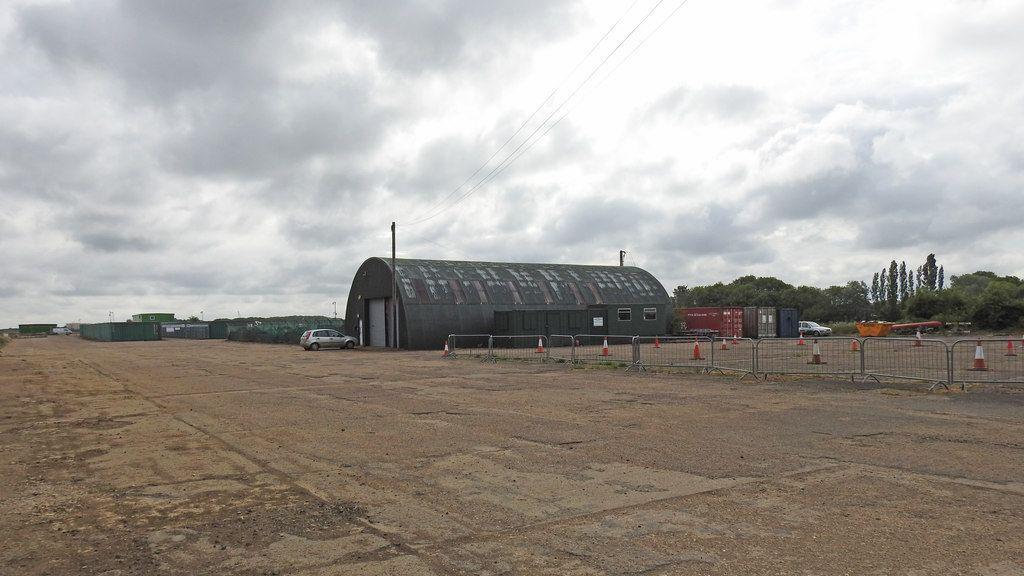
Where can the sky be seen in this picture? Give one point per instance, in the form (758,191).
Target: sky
(242,157)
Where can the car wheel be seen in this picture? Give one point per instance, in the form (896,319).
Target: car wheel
(350,344)
(314,347)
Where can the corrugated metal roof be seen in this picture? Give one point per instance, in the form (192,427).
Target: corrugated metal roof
(457,282)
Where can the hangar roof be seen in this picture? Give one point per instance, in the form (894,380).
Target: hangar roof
(458,282)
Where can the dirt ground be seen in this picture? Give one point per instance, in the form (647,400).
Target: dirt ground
(212,457)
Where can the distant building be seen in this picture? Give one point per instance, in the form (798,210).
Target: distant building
(440,297)
(153,317)
(35,328)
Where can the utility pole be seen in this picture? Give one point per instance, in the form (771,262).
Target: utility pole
(394,290)
(622,257)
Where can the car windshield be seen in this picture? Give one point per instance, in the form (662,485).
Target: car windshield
(812,324)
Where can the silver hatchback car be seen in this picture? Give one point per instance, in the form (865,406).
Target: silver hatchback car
(808,328)
(324,338)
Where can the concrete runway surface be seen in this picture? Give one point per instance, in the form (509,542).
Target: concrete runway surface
(213,457)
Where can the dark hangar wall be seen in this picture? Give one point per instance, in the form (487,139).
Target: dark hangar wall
(441,297)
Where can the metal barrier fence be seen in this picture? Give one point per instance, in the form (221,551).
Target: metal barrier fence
(601,349)
(735,355)
(817,356)
(562,348)
(906,359)
(674,352)
(532,348)
(987,360)
(469,346)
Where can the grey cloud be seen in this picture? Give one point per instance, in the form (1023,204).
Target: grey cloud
(595,219)
(714,230)
(253,136)
(418,37)
(110,241)
(105,231)
(719,102)
(889,206)
(156,48)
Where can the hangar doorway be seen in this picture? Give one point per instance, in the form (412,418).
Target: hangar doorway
(377,314)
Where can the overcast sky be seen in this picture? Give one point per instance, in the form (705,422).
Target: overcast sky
(248,156)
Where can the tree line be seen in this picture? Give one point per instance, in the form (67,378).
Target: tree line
(896,293)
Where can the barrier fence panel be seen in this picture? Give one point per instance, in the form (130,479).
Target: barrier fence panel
(735,355)
(987,360)
(821,356)
(591,349)
(674,352)
(906,359)
(532,348)
(991,360)
(561,347)
(469,346)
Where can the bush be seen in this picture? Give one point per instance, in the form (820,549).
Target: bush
(945,305)
(843,328)
(1000,306)
(283,336)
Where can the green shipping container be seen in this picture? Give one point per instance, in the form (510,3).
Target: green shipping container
(35,328)
(121,331)
(219,330)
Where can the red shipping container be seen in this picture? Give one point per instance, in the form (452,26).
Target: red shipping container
(726,321)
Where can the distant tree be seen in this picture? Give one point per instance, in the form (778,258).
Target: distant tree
(681,296)
(845,303)
(931,272)
(911,288)
(874,288)
(942,277)
(948,306)
(902,273)
(882,288)
(1000,306)
(892,295)
(973,284)
(192,318)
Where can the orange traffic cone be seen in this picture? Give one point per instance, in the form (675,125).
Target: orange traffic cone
(854,345)
(696,351)
(917,339)
(657,342)
(979,359)
(540,345)
(816,354)
(1009,348)
(604,348)
(446,351)
(801,341)
(724,347)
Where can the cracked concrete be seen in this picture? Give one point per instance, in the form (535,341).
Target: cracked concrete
(216,457)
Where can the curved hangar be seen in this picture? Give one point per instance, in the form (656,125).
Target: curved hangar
(441,297)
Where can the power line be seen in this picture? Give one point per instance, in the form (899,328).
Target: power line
(511,157)
(519,150)
(606,76)
(643,41)
(532,114)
